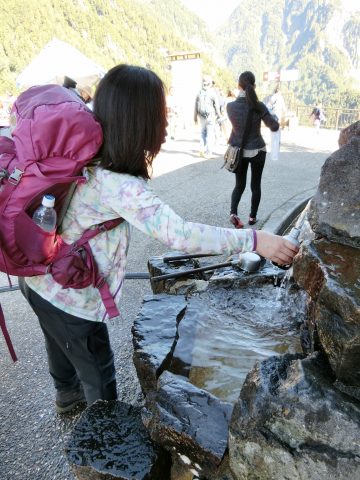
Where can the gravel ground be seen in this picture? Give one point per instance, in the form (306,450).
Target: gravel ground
(32,436)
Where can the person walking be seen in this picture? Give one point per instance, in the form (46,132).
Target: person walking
(172,113)
(245,115)
(230,97)
(317,116)
(277,108)
(208,111)
(80,358)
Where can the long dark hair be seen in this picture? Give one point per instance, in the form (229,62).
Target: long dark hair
(247,83)
(130,105)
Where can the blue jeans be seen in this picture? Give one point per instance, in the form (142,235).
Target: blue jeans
(207,135)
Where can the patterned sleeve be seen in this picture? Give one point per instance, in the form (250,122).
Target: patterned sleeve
(137,204)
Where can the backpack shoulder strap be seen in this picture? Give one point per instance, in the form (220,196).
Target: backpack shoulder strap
(102,227)
(6,335)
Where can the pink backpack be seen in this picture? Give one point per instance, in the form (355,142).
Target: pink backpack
(54,135)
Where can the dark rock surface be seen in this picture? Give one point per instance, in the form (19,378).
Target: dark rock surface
(335,209)
(188,421)
(348,133)
(154,334)
(179,285)
(110,442)
(291,423)
(330,273)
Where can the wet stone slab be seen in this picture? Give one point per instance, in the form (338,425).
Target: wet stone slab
(154,335)
(188,421)
(110,442)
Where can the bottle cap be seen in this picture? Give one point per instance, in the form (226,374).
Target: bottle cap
(48,201)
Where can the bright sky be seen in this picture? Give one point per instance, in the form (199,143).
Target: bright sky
(214,12)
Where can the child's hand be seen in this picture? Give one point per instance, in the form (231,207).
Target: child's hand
(275,248)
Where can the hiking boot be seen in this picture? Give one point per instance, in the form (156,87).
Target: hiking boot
(66,400)
(235,220)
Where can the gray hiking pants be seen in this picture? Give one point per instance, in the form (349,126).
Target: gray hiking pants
(78,350)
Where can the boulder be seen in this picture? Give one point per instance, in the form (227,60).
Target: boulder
(291,422)
(335,208)
(110,442)
(330,273)
(348,133)
(188,421)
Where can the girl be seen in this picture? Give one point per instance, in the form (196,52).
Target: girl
(254,151)
(130,105)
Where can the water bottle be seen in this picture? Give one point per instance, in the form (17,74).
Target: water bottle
(292,237)
(45,215)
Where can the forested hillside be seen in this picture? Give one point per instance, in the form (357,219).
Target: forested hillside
(107,31)
(319,38)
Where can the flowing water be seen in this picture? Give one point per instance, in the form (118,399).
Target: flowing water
(224,332)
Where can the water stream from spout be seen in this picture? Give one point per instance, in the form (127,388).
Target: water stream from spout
(284,284)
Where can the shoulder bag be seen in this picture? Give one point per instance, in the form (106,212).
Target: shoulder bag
(233,154)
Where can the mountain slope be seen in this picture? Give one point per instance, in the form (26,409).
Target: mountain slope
(107,31)
(320,39)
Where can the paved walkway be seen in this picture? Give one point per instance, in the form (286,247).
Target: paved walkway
(32,436)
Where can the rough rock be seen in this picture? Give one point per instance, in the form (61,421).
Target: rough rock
(348,133)
(335,208)
(110,442)
(330,274)
(179,285)
(291,423)
(188,421)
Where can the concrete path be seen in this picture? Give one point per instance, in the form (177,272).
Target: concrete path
(32,436)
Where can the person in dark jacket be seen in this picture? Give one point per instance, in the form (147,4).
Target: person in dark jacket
(254,150)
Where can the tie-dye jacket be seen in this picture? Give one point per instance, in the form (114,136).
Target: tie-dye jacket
(108,195)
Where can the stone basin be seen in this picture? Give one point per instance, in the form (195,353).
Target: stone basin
(224,332)
(214,336)
(193,351)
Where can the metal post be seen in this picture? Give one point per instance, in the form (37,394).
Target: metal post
(337,119)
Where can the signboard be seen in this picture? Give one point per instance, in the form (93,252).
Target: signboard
(289,75)
(186,73)
(271,76)
(282,76)
(183,56)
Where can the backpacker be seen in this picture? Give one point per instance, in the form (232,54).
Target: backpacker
(54,135)
(205,103)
